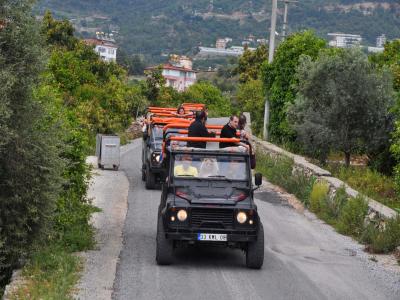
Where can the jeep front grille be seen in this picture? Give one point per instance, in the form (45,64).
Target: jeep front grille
(212,218)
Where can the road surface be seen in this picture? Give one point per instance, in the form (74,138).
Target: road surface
(304,258)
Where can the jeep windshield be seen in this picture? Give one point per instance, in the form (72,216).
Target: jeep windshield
(157,132)
(210,167)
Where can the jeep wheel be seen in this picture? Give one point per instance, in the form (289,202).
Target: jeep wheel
(143,173)
(165,248)
(150,179)
(255,251)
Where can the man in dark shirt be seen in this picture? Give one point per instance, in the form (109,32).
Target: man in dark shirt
(199,129)
(229,131)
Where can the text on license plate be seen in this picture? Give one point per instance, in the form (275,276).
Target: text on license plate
(211,237)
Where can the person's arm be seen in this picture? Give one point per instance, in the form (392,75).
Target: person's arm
(205,133)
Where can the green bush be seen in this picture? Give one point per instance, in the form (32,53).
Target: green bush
(351,217)
(336,203)
(319,197)
(279,171)
(382,240)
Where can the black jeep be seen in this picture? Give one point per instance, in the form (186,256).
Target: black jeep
(152,169)
(208,199)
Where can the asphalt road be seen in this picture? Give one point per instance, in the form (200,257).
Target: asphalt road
(304,258)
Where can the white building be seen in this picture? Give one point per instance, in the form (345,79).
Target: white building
(105,47)
(178,73)
(232,51)
(376,49)
(381,41)
(178,78)
(344,40)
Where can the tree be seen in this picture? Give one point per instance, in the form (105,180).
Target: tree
(154,82)
(30,166)
(58,33)
(390,57)
(342,104)
(280,81)
(134,64)
(96,90)
(251,98)
(249,65)
(210,95)
(384,159)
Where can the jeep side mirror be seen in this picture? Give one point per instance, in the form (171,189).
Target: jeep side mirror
(258,179)
(145,135)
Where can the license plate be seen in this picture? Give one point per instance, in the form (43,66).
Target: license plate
(216,237)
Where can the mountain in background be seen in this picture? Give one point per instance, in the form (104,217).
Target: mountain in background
(158,27)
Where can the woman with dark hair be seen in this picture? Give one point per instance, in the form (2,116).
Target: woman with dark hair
(246,137)
(180,110)
(241,126)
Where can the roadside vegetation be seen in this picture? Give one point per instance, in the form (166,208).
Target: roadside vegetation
(369,182)
(325,101)
(349,216)
(56,94)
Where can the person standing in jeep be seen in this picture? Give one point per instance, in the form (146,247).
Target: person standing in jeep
(198,129)
(229,131)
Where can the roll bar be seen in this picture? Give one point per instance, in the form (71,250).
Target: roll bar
(204,139)
(172,120)
(186,125)
(184,131)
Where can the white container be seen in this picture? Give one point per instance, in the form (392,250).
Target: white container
(108,151)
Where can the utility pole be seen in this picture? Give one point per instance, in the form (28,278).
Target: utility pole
(270,59)
(285,16)
(284,21)
(272,31)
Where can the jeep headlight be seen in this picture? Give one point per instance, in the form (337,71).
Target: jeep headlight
(241,217)
(156,157)
(182,215)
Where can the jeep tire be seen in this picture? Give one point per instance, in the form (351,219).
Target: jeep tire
(143,173)
(150,178)
(255,251)
(164,248)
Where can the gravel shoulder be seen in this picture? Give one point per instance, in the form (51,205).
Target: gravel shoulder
(109,192)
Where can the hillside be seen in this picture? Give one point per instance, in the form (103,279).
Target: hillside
(154,27)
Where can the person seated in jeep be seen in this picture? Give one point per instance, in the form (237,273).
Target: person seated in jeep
(184,167)
(229,131)
(236,170)
(209,167)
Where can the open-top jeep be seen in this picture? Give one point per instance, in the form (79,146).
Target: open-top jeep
(208,199)
(153,171)
(151,153)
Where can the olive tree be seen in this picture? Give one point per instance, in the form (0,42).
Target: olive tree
(342,104)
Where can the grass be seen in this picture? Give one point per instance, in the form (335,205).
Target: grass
(51,273)
(279,171)
(382,239)
(369,182)
(53,269)
(351,217)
